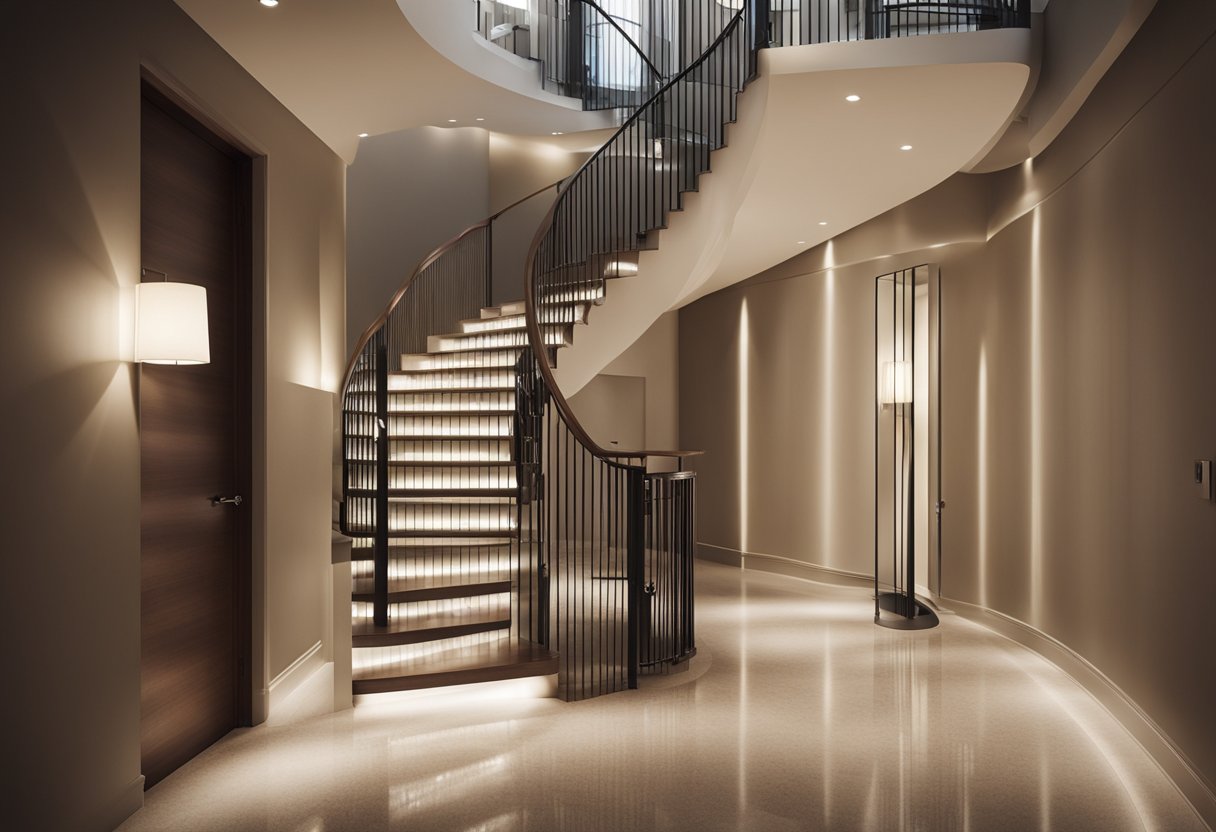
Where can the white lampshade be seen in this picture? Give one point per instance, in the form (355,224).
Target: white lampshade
(896,382)
(171,324)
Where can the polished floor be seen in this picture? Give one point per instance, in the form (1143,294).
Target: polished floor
(799,714)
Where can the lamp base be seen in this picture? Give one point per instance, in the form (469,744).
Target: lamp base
(904,612)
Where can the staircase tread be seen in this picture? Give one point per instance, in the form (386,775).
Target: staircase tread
(502,653)
(398,534)
(502,388)
(446,437)
(427,589)
(522,327)
(468,369)
(440,491)
(405,551)
(365,633)
(437,437)
(448,463)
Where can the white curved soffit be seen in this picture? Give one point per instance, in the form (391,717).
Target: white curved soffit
(801,154)
(345,67)
(447,25)
(822,159)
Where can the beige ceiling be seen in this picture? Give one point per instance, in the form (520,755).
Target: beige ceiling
(345,67)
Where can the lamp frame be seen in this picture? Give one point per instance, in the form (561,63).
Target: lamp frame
(896,604)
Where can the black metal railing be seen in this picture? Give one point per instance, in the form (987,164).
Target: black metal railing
(610,545)
(606,549)
(797,22)
(667,626)
(393,450)
(588,54)
(506,25)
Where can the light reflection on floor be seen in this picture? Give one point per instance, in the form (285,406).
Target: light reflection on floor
(844,726)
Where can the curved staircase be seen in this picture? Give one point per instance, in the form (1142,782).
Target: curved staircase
(494,538)
(453,533)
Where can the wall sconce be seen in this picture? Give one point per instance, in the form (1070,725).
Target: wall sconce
(896,383)
(171,323)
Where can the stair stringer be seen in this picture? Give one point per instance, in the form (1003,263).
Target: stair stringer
(689,250)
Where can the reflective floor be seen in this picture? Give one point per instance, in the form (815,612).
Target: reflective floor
(799,713)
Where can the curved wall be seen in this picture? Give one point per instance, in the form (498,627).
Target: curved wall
(1077,368)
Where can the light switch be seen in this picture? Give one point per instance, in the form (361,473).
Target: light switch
(1203,478)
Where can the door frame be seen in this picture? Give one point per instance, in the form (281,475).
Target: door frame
(251,285)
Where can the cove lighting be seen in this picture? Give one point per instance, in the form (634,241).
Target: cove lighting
(905,147)
(852,98)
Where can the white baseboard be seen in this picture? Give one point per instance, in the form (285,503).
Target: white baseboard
(292,677)
(779,565)
(1176,765)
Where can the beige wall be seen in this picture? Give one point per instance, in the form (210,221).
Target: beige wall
(1077,367)
(71,444)
(413,190)
(654,360)
(519,166)
(409,192)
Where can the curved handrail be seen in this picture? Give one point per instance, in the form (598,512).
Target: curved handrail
(435,254)
(633,117)
(535,338)
(625,35)
(542,362)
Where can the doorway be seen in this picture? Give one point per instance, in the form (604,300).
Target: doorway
(195,445)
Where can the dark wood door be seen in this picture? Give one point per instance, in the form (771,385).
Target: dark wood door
(194,444)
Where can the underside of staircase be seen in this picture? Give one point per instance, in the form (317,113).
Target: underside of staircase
(454,521)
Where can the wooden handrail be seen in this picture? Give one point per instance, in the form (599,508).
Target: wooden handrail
(421,267)
(542,361)
(535,338)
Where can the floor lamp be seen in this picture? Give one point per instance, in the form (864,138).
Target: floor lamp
(897,605)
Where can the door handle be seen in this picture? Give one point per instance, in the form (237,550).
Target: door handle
(236,501)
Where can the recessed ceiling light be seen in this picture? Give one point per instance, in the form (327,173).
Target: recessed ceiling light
(270,4)
(905,147)
(823,222)
(852,98)
(556,133)
(451,121)
(801,242)
(363,135)
(480,119)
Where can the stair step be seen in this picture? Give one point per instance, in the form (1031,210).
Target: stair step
(515,307)
(435,450)
(503,659)
(471,380)
(435,402)
(414,630)
(556,314)
(513,337)
(411,548)
(443,479)
(414,427)
(402,591)
(461,360)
